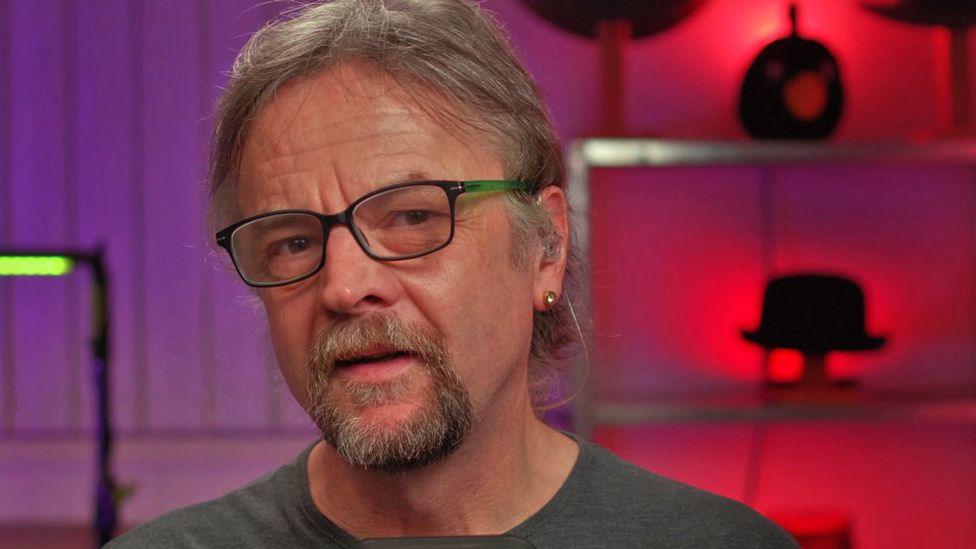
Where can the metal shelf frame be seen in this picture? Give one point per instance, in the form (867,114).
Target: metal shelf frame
(628,152)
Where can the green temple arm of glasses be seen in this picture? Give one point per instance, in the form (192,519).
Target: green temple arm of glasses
(483,186)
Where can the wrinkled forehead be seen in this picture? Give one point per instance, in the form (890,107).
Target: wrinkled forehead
(356,125)
(348,87)
(337,89)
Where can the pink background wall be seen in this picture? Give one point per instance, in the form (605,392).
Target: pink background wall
(104,108)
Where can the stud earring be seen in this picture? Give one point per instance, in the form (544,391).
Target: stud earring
(550,298)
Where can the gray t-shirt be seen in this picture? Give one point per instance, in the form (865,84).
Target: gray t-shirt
(605,502)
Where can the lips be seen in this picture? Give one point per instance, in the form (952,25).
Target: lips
(375,366)
(371,358)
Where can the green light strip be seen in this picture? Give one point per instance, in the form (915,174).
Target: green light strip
(35,265)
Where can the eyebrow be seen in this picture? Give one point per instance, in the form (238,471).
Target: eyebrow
(413,175)
(276,222)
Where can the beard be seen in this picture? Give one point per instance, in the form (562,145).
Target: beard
(430,433)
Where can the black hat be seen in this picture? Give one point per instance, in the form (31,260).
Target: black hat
(813,313)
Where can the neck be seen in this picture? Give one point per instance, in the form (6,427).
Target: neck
(501,475)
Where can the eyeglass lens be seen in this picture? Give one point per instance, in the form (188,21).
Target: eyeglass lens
(395,224)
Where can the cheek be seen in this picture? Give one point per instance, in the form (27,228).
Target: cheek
(482,304)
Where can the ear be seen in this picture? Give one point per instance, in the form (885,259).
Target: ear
(551,263)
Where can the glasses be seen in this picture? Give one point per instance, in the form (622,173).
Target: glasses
(390,224)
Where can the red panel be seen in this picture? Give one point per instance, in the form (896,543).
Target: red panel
(676,274)
(900,485)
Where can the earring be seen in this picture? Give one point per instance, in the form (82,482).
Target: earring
(550,298)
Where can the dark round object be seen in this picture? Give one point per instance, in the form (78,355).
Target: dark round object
(815,314)
(646,17)
(949,13)
(792,91)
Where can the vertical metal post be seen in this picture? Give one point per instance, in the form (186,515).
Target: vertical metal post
(959,72)
(752,476)
(578,193)
(106,511)
(614,36)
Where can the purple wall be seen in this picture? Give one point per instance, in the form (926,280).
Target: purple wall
(104,118)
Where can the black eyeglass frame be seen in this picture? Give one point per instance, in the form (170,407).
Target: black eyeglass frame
(453,189)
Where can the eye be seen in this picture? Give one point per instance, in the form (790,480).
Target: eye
(291,246)
(297,245)
(411,217)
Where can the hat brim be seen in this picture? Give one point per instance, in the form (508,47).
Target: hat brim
(857,343)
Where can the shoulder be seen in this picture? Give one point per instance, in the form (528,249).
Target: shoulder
(247,517)
(646,509)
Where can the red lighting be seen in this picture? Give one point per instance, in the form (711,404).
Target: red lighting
(785,366)
(817,530)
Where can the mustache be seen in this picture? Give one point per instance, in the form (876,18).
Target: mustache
(357,336)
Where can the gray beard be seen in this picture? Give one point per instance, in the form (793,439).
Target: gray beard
(431,433)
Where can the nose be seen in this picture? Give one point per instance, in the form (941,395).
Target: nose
(351,282)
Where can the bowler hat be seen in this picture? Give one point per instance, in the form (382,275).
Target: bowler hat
(815,314)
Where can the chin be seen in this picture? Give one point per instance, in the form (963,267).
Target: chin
(387,417)
(397,435)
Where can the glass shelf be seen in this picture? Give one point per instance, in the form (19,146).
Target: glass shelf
(628,152)
(609,152)
(937,410)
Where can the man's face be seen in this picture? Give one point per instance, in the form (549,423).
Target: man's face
(321,143)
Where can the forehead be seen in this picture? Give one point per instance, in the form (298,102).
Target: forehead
(344,96)
(322,141)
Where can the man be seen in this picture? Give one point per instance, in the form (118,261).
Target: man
(385,175)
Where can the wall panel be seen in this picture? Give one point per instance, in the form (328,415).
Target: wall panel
(173,248)
(95,113)
(42,352)
(77,325)
(8,393)
(240,357)
(677,271)
(106,186)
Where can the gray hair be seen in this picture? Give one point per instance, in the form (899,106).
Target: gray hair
(447,47)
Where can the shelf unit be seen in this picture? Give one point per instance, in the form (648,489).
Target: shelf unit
(940,410)
(615,152)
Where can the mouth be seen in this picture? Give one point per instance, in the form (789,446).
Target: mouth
(375,366)
(371,358)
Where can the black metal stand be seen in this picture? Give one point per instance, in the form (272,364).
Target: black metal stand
(106,490)
(106,504)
